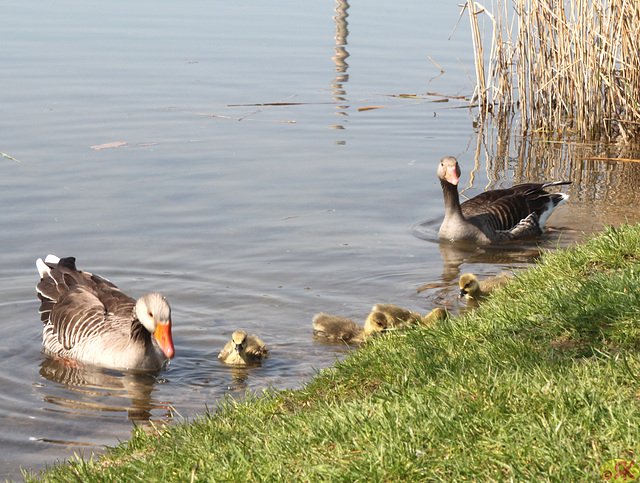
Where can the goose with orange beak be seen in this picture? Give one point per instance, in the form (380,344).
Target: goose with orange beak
(88,319)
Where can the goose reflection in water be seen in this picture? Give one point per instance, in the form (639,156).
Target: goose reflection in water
(90,390)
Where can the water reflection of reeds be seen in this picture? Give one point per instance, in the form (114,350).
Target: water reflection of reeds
(510,159)
(340,60)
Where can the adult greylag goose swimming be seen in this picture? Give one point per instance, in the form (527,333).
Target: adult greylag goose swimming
(87,318)
(477,290)
(243,349)
(334,328)
(498,215)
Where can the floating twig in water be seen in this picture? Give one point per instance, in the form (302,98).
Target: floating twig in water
(10,157)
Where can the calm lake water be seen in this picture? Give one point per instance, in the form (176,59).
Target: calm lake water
(223,153)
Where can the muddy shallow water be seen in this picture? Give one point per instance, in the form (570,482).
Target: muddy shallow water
(229,157)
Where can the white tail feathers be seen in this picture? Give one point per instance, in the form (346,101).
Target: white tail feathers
(550,206)
(51,259)
(42,267)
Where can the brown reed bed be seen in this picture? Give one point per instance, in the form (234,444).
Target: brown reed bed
(565,67)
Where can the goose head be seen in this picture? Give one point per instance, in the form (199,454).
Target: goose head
(449,170)
(469,286)
(239,338)
(376,322)
(154,313)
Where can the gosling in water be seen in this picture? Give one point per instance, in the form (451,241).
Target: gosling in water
(473,289)
(336,328)
(243,350)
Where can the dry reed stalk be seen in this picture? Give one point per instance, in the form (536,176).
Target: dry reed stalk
(565,67)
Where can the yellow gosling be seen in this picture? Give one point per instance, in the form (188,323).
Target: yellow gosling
(375,324)
(473,289)
(435,315)
(397,316)
(243,350)
(331,327)
(334,328)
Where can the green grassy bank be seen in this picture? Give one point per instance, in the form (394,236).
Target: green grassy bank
(540,384)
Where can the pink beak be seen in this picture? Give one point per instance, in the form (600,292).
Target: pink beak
(451,176)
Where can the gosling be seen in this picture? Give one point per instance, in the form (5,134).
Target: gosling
(336,328)
(396,316)
(435,315)
(243,350)
(478,291)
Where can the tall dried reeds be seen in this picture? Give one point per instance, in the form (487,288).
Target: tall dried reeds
(565,66)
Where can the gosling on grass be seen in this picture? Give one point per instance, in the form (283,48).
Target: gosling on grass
(243,349)
(396,316)
(334,328)
(473,289)
(439,313)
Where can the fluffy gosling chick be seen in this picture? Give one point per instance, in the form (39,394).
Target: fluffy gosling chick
(335,328)
(376,323)
(243,350)
(435,315)
(397,316)
(473,289)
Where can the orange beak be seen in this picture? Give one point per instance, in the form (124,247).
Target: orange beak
(451,176)
(163,336)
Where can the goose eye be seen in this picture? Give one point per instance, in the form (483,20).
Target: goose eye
(150,314)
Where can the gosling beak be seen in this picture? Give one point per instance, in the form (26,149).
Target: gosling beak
(462,293)
(451,176)
(163,336)
(238,348)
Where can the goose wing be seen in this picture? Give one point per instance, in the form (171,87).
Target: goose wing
(78,315)
(58,276)
(527,191)
(502,214)
(503,210)
(485,199)
(77,305)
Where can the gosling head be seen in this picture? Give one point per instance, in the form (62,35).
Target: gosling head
(154,313)
(449,170)
(469,286)
(376,322)
(239,338)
